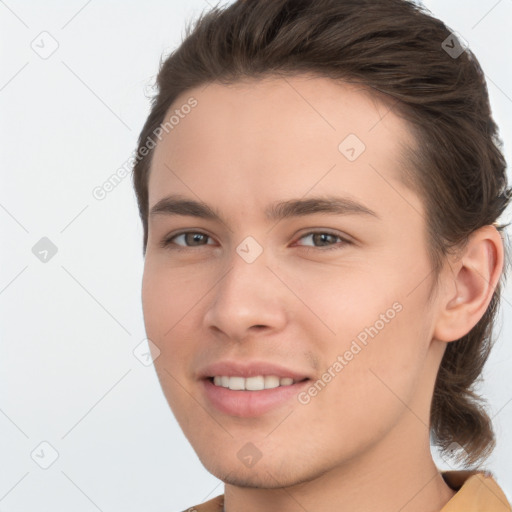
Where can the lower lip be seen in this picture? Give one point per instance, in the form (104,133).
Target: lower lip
(247,404)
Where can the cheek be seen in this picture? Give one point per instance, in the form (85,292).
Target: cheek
(155,297)
(365,386)
(164,310)
(345,298)
(374,336)
(168,296)
(173,302)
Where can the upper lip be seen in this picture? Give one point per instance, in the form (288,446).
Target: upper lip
(249,369)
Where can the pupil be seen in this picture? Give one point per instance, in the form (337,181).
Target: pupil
(321,238)
(196,237)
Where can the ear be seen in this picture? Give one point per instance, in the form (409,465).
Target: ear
(469,284)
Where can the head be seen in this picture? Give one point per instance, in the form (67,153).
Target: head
(266,102)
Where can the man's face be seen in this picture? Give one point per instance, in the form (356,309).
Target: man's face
(333,301)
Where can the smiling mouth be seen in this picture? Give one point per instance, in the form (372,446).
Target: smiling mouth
(256,383)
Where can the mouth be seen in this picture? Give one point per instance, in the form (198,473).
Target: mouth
(249,389)
(251,397)
(255,383)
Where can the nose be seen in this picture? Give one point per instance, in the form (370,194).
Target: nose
(248,299)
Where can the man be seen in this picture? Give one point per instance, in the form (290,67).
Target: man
(319,184)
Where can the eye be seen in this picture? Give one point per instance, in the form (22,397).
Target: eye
(186,239)
(324,239)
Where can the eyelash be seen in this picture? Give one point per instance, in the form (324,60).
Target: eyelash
(167,242)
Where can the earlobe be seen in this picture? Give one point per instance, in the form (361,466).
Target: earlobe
(470,284)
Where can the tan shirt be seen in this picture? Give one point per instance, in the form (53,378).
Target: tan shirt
(477,491)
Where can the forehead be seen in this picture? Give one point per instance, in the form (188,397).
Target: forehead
(312,98)
(302,103)
(277,134)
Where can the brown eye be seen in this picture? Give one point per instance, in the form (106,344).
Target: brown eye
(187,239)
(325,239)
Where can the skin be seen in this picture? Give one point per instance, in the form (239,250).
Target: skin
(362,443)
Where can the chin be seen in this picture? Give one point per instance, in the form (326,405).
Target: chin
(263,475)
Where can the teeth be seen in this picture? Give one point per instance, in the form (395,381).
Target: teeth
(236,383)
(271,382)
(257,383)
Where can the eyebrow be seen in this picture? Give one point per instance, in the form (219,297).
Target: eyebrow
(179,205)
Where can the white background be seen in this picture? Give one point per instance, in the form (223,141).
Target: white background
(68,375)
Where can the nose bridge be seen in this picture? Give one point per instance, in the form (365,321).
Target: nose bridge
(248,275)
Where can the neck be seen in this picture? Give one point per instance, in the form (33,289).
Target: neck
(396,474)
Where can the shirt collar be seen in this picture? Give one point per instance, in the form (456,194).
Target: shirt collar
(477,491)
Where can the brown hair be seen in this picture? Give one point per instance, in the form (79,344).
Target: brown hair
(397,48)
